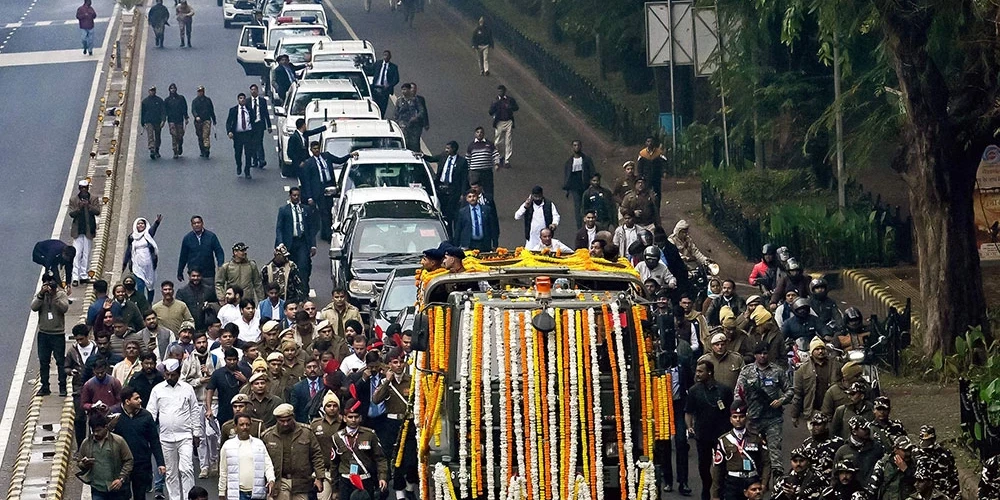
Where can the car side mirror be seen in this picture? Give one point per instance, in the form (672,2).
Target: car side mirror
(279,111)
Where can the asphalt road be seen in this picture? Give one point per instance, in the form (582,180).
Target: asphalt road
(46,90)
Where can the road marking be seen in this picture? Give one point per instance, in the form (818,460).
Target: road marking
(49,57)
(43,23)
(13,30)
(350,31)
(66,22)
(21,368)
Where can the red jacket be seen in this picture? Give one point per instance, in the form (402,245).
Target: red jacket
(86,15)
(759,271)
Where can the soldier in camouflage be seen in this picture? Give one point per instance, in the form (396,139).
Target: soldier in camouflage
(938,462)
(892,478)
(884,429)
(764,387)
(820,447)
(989,483)
(803,481)
(845,483)
(924,484)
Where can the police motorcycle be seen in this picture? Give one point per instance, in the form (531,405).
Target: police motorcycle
(867,355)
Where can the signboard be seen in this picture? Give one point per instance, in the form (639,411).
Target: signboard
(678,33)
(706,41)
(986,204)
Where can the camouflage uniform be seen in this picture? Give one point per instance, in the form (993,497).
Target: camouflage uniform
(820,453)
(850,491)
(885,431)
(757,387)
(989,483)
(888,482)
(807,485)
(924,474)
(939,463)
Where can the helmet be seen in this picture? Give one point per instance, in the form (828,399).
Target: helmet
(651,252)
(646,238)
(768,249)
(852,314)
(817,283)
(800,303)
(793,264)
(783,253)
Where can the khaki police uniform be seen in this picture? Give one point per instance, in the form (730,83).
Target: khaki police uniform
(324,431)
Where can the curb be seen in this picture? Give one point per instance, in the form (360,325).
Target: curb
(878,298)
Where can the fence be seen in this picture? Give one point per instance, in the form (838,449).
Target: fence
(559,77)
(896,330)
(975,420)
(888,238)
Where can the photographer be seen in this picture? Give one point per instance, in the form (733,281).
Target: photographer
(83,209)
(51,304)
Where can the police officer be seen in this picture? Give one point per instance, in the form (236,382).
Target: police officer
(394,391)
(739,458)
(363,465)
(892,478)
(296,455)
(177,117)
(845,483)
(884,430)
(706,415)
(924,485)
(938,462)
(204,118)
(803,480)
(325,426)
(239,403)
(860,449)
(764,387)
(262,403)
(153,113)
(857,406)
(821,446)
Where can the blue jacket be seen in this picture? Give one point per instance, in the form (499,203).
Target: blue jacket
(265,309)
(198,254)
(299,398)
(283,230)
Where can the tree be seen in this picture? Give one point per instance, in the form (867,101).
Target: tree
(944,57)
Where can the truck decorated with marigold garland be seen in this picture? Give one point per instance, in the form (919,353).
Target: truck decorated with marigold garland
(534,380)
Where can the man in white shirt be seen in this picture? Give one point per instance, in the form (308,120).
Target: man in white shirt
(547,243)
(230,312)
(227,339)
(652,267)
(175,408)
(249,322)
(245,467)
(356,361)
(628,233)
(538,213)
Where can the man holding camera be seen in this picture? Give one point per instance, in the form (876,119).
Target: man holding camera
(51,304)
(83,209)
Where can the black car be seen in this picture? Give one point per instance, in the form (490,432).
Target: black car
(378,238)
(398,293)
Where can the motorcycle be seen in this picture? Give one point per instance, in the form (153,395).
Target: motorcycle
(699,276)
(867,358)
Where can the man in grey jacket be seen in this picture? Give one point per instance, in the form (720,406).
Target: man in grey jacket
(51,304)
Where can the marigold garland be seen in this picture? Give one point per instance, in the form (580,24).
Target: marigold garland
(646,415)
(617,318)
(516,398)
(552,451)
(620,434)
(487,391)
(582,388)
(527,406)
(503,339)
(596,391)
(574,400)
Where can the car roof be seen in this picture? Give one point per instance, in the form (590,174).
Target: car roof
(296,40)
(346,46)
(339,85)
(372,128)
(339,65)
(304,6)
(359,196)
(394,210)
(385,155)
(335,109)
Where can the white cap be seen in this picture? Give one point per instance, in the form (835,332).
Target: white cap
(171,365)
(83,183)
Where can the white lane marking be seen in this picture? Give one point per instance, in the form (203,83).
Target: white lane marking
(21,368)
(43,23)
(61,22)
(350,31)
(49,57)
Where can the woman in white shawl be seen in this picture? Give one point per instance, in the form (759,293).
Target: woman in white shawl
(141,253)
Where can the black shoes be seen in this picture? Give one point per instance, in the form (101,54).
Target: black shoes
(683,489)
(63,392)
(44,391)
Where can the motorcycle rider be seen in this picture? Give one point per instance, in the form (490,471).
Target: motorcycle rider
(824,307)
(765,273)
(784,311)
(795,279)
(854,333)
(653,267)
(681,238)
(804,325)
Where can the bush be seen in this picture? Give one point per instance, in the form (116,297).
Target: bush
(756,191)
(823,236)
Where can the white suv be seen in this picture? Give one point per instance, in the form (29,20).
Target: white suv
(387,168)
(300,95)
(237,11)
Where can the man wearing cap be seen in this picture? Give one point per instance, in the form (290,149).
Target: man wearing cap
(177,116)
(262,403)
(284,273)
(738,340)
(394,392)
(860,449)
(363,464)
(727,363)
(821,446)
(338,312)
(247,472)
(152,114)
(938,462)
(538,213)
(325,426)
(925,487)
(802,482)
(453,260)
(83,209)
(279,382)
(204,118)
(171,312)
(845,483)
(884,429)
(240,271)
(812,377)
(856,406)
(892,478)
(706,415)
(175,408)
(239,404)
(296,454)
(763,386)
(270,333)
(305,390)
(836,395)
(760,326)
(739,458)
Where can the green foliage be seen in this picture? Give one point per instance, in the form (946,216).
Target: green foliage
(826,236)
(756,191)
(978,360)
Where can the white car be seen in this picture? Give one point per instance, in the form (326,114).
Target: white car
(297,49)
(237,11)
(334,112)
(258,41)
(381,168)
(351,200)
(300,95)
(305,10)
(346,136)
(339,70)
(360,53)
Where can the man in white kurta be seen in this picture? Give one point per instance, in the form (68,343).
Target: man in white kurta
(175,408)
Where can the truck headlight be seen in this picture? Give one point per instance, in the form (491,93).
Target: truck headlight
(359,287)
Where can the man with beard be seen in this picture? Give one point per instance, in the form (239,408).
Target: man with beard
(641,204)
(706,417)
(803,482)
(884,429)
(729,298)
(169,311)
(821,446)
(177,116)
(174,407)
(137,427)
(394,392)
(225,382)
(600,199)
(845,483)
(262,403)
(102,341)
(858,406)
(588,233)
(339,311)
(812,378)
(860,449)
(147,378)
(230,310)
(284,273)
(203,364)
(241,271)
(156,336)
(765,388)
(113,460)
(538,213)
(239,404)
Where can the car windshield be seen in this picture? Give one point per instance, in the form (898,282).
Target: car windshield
(400,294)
(359,60)
(356,77)
(302,99)
(388,175)
(278,33)
(341,146)
(296,52)
(377,237)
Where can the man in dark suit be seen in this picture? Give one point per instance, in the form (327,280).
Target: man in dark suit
(386,79)
(295,230)
(284,77)
(304,390)
(239,127)
(577,171)
(476,186)
(472,226)
(261,124)
(296,148)
(451,179)
(317,175)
